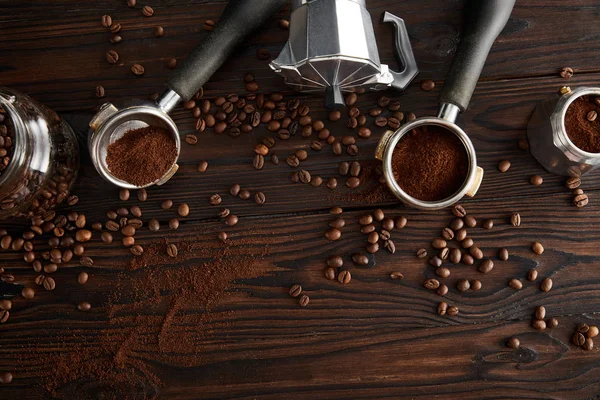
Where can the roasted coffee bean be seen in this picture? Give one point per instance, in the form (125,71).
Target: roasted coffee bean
(442,308)
(5,377)
(338,223)
(260,198)
(86,261)
(100,92)
(335,261)
(333,234)
(337,148)
(444,253)
(231,220)
(435,262)
(353,182)
(488,224)
(295,290)
(372,248)
(316,181)
(147,11)
(112,57)
(546,285)
(456,224)
(106,21)
(137,69)
(360,259)
(172,250)
(566,72)
(581,200)
(459,211)
(115,27)
(515,219)
(390,246)
(343,168)
(513,343)
(83,235)
(263,54)
(49,283)
(293,161)
(447,234)
(401,222)
(393,123)
(344,277)
(235,189)
(538,324)
(427,85)
(503,165)
(431,284)
(573,183)
(515,284)
(304,300)
(438,243)
(452,311)
(351,99)
(78,250)
(475,252)
(592,332)
(476,284)
(442,272)
(222,236)
(588,344)
(460,235)
(330,273)
(191,139)
(331,183)
(442,290)
(183,210)
(381,121)
(486,266)
(384,235)
(304,176)
(137,250)
(378,215)
(244,194)
(536,180)
(366,229)
(463,285)
(364,133)
(503,254)
(532,275)
(84,306)
(365,219)
(578,339)
(537,248)
(470,221)
(455,256)
(174,223)
(540,312)
(421,253)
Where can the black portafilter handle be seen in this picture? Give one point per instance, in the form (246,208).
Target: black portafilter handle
(484,20)
(239,19)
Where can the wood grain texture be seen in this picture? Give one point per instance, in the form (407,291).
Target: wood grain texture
(373,338)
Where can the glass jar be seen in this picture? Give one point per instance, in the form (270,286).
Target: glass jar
(44,158)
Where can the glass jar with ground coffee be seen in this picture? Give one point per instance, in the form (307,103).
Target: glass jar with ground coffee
(564,132)
(39,157)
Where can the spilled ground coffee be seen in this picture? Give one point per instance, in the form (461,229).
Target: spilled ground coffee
(430,163)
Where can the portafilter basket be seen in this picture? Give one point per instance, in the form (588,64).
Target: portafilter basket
(484,20)
(239,19)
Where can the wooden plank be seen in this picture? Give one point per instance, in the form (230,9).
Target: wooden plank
(55,51)
(373,337)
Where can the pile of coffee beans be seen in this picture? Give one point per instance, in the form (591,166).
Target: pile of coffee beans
(580,199)
(539,321)
(584,336)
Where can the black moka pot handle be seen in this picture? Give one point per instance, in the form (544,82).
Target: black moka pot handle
(484,20)
(238,20)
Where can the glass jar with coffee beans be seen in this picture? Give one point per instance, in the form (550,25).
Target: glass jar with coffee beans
(39,157)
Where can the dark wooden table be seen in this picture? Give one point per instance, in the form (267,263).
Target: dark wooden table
(372,338)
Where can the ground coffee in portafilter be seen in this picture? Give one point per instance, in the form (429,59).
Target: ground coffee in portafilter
(583,125)
(142,156)
(430,163)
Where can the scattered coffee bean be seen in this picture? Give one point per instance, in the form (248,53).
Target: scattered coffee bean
(503,254)
(536,180)
(476,284)
(486,266)
(304,300)
(552,323)
(515,284)
(137,250)
(49,283)
(578,339)
(503,165)
(515,219)
(333,234)
(344,277)
(488,224)
(459,211)
(532,275)
(537,248)
(260,198)
(438,243)
(442,290)
(476,252)
(452,311)
(442,308)
(513,343)
(431,284)
(566,72)
(147,11)
(427,85)
(421,253)
(442,272)
(137,69)
(295,290)
(538,324)
(183,210)
(112,57)
(523,144)
(580,200)
(447,234)
(592,332)
(463,285)
(5,377)
(546,285)
(174,223)
(84,306)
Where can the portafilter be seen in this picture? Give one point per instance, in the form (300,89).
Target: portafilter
(484,20)
(239,19)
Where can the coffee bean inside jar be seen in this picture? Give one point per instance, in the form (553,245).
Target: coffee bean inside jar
(40,157)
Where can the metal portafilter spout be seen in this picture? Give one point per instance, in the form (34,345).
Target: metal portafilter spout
(484,20)
(239,19)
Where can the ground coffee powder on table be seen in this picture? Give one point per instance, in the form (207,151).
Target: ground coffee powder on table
(430,163)
(141,156)
(582,128)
